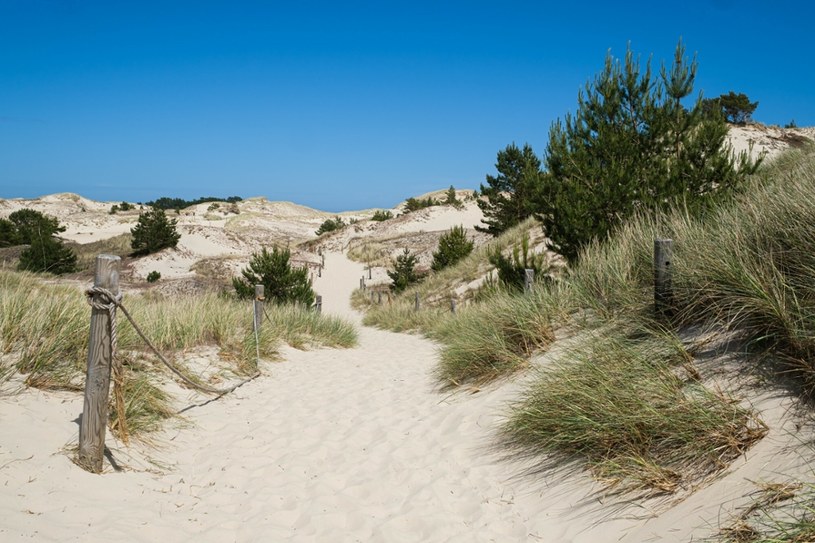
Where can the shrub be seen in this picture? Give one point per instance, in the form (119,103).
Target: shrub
(283,284)
(380,216)
(512,271)
(508,198)
(154,232)
(633,147)
(153,276)
(415,204)
(8,233)
(330,225)
(450,198)
(404,272)
(453,246)
(30,224)
(124,206)
(113,209)
(48,254)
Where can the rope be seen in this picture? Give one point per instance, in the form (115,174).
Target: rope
(116,302)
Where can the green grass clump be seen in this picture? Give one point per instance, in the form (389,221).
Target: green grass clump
(623,407)
(47,341)
(486,341)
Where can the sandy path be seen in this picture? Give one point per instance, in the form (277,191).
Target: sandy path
(329,445)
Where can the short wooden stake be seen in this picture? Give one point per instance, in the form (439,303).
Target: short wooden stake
(416,301)
(663,288)
(379,297)
(372,296)
(529,278)
(369,272)
(319,304)
(361,283)
(97,379)
(320,270)
(453,306)
(258,306)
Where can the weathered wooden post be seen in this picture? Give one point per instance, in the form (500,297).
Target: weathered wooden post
(453,306)
(663,288)
(320,270)
(361,283)
(258,306)
(322,259)
(416,301)
(372,296)
(379,297)
(529,278)
(319,304)
(97,379)
(369,271)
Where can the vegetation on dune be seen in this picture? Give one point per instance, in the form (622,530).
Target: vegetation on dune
(154,232)
(47,343)
(283,284)
(453,246)
(404,271)
(330,225)
(166,202)
(381,215)
(44,251)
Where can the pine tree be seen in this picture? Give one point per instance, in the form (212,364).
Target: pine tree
(509,197)
(404,272)
(31,224)
(633,146)
(453,246)
(48,254)
(154,232)
(282,283)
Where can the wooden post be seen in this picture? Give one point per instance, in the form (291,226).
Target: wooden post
(416,302)
(258,305)
(361,283)
(319,304)
(97,379)
(372,296)
(369,271)
(529,278)
(453,306)
(320,270)
(322,259)
(663,289)
(379,297)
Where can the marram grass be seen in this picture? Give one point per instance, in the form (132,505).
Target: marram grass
(44,332)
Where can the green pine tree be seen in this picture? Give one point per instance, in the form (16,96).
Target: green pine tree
(404,272)
(509,197)
(282,283)
(154,232)
(633,146)
(48,254)
(453,246)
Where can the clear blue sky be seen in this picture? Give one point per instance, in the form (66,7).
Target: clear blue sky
(342,105)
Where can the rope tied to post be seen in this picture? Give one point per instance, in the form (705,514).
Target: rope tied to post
(96,298)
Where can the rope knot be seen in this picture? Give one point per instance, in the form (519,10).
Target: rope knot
(114,300)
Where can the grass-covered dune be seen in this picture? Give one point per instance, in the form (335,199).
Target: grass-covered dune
(625,396)
(44,332)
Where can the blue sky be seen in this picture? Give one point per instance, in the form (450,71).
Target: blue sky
(342,105)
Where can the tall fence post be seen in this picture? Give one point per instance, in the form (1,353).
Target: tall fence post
(319,304)
(663,288)
(258,306)
(97,379)
(529,278)
(416,301)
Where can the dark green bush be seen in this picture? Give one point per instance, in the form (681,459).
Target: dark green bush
(48,254)
(330,225)
(154,232)
(153,276)
(453,246)
(404,272)
(415,204)
(283,284)
(380,216)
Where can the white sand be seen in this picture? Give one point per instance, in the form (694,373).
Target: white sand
(331,445)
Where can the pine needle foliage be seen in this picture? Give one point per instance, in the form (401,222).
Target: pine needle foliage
(634,146)
(508,197)
(154,232)
(404,271)
(453,246)
(283,284)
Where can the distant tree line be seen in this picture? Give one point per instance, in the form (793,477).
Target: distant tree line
(179,203)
